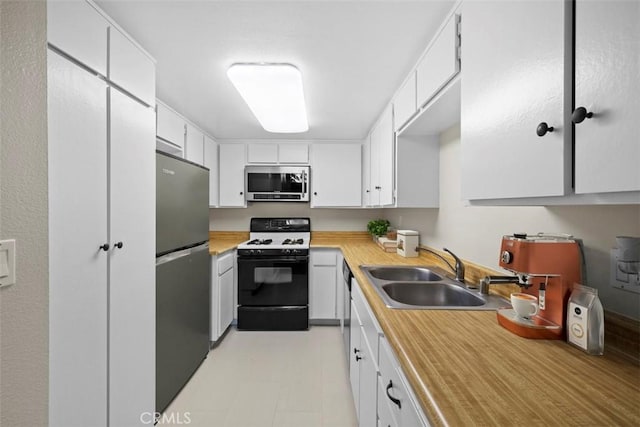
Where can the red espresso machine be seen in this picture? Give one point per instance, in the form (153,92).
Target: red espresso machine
(543,262)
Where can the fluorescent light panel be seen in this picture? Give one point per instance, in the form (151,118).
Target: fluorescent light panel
(274,94)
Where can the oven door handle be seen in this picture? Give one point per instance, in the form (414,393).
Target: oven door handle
(278,260)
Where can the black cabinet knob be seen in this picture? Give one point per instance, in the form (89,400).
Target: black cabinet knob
(315,193)
(579,114)
(241,193)
(358,358)
(543,128)
(104,247)
(118,245)
(355,351)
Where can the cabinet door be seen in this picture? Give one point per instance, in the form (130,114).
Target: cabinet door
(386,158)
(355,357)
(514,78)
(322,292)
(440,64)
(367,171)
(80,31)
(232,160)
(404,103)
(368,385)
(170,125)
(131,68)
(77,134)
(194,145)
(226,301)
(293,153)
(211,162)
(132,284)
(374,158)
(607,67)
(336,175)
(262,153)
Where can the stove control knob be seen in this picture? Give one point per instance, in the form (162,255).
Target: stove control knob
(258,251)
(506,257)
(287,251)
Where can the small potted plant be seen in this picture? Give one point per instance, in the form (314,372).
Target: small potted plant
(378,227)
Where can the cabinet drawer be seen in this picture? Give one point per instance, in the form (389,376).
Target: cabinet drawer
(225,263)
(395,392)
(322,257)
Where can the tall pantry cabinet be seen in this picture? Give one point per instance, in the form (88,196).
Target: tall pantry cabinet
(101,147)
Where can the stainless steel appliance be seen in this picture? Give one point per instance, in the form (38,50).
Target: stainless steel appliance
(277,183)
(273,275)
(182,273)
(346,314)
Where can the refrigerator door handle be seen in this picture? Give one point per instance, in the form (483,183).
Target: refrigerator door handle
(180,254)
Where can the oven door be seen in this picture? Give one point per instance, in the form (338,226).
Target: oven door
(273,282)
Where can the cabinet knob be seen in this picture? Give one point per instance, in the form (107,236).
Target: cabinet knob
(368,191)
(118,245)
(579,114)
(358,358)
(315,193)
(105,247)
(355,351)
(543,128)
(241,193)
(393,399)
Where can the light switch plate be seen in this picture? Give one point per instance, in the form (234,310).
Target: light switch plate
(7,262)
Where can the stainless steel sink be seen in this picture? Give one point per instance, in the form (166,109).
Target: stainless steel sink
(426,288)
(404,274)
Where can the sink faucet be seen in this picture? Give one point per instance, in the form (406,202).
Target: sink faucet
(459,267)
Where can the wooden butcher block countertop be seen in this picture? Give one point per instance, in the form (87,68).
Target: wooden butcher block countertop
(467,370)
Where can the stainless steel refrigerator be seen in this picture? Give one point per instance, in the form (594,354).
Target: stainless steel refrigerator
(183,273)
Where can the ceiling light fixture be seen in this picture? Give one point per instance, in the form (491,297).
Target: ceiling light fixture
(274,94)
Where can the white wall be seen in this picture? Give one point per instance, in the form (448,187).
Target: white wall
(232,219)
(24,314)
(474,233)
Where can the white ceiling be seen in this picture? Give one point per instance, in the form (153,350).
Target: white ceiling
(353,55)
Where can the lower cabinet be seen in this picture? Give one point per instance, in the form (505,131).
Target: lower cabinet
(380,390)
(323,284)
(222,286)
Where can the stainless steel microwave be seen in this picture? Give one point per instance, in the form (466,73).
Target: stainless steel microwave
(277,183)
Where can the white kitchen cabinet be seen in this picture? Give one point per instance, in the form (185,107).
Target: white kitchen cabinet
(131,68)
(363,363)
(194,145)
(80,31)
(211,162)
(382,161)
(511,87)
(222,287)
(170,126)
(394,395)
(293,153)
(404,103)
(607,66)
(336,175)
(440,63)
(102,286)
(323,284)
(231,163)
(367,194)
(262,153)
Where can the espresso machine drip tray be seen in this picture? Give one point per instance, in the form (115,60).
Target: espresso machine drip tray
(534,327)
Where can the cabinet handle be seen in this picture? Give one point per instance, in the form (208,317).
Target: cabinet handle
(118,245)
(579,114)
(355,351)
(368,191)
(543,128)
(358,358)
(104,247)
(393,399)
(315,193)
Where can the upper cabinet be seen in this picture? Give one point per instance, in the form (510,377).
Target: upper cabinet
(231,169)
(130,68)
(79,30)
(607,96)
(211,162)
(405,102)
(336,175)
(170,126)
(440,63)
(514,139)
(194,145)
(278,153)
(381,161)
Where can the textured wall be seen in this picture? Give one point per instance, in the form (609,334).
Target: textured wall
(23,213)
(474,232)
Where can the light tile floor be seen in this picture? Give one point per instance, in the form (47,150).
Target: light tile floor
(264,379)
